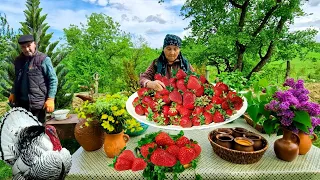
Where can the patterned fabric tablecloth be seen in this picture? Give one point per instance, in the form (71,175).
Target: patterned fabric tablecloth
(94,165)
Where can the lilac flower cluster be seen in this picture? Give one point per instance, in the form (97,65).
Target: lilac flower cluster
(294,99)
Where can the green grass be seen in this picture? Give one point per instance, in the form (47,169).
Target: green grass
(5,171)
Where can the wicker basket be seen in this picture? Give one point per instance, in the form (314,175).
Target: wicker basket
(258,127)
(238,157)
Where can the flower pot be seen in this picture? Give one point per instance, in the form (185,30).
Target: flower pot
(305,142)
(114,143)
(89,137)
(287,147)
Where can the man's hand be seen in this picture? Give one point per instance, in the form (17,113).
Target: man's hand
(156,85)
(49,105)
(11,98)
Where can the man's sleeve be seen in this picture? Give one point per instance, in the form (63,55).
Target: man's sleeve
(50,74)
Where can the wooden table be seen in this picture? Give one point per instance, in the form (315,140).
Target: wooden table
(94,165)
(65,128)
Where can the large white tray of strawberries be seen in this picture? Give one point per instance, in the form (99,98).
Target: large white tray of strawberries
(188,102)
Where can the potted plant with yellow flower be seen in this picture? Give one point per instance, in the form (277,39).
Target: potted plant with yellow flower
(109,111)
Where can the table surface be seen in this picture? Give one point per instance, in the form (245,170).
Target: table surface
(94,165)
(71,119)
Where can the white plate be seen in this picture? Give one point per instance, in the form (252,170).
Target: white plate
(143,119)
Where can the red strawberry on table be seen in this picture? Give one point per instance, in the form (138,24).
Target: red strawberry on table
(128,155)
(138,164)
(200,91)
(181,86)
(163,139)
(173,150)
(144,150)
(196,148)
(158,77)
(182,141)
(207,118)
(161,157)
(186,155)
(122,164)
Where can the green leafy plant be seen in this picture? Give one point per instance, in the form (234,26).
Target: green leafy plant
(257,97)
(110,112)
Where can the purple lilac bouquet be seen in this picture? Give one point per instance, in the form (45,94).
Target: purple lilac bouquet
(292,110)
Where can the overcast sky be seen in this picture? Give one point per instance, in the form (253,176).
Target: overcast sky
(146,18)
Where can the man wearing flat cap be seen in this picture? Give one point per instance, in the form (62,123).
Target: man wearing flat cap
(170,59)
(35,83)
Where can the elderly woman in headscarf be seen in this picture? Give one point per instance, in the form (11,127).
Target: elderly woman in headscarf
(170,59)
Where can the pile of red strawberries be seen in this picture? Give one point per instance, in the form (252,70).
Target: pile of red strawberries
(188,100)
(164,151)
(126,161)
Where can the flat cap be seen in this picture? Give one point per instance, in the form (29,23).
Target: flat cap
(25,38)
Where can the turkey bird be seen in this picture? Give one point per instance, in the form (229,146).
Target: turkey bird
(33,150)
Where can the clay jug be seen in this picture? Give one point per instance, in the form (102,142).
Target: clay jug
(89,137)
(305,142)
(287,147)
(114,143)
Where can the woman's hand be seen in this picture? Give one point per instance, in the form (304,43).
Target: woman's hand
(156,85)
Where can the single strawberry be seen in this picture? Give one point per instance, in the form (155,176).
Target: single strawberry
(143,92)
(146,100)
(198,110)
(209,107)
(222,86)
(144,150)
(128,155)
(164,91)
(186,155)
(217,100)
(196,121)
(122,164)
(225,105)
(229,112)
(181,86)
(188,100)
(217,91)
(207,118)
(193,83)
(136,101)
(181,74)
(231,95)
(140,110)
(163,139)
(165,110)
(161,157)
(196,148)
(185,122)
(138,164)
(158,95)
(175,96)
(158,77)
(200,91)
(166,99)
(236,99)
(183,111)
(165,81)
(238,106)
(173,150)
(172,111)
(173,82)
(182,141)
(203,79)
(218,117)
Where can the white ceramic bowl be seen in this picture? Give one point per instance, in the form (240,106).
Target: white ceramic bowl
(61,114)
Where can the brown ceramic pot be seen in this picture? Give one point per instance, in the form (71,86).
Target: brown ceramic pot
(114,143)
(224,140)
(238,131)
(305,142)
(243,144)
(287,147)
(256,140)
(89,137)
(222,131)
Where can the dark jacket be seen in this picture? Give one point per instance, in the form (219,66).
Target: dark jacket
(38,83)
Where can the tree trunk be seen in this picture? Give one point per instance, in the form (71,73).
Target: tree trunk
(287,70)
